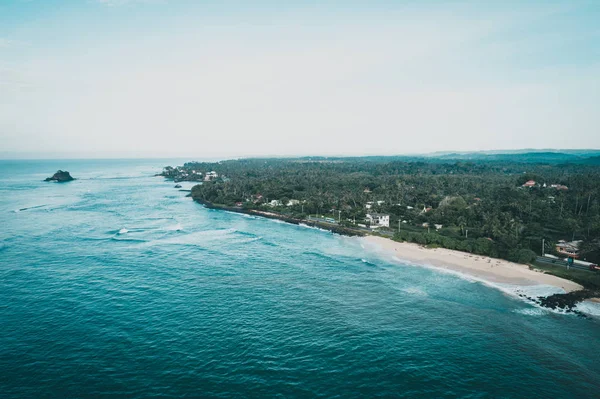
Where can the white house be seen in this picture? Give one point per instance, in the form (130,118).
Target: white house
(275,203)
(210,175)
(378,219)
(292,202)
(369,205)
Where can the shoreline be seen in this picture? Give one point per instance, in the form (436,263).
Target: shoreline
(520,280)
(345,231)
(484,268)
(514,279)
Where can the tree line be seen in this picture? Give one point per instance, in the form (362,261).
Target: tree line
(481,205)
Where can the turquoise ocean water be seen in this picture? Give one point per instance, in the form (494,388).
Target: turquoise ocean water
(116,285)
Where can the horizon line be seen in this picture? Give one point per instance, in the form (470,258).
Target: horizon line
(47,156)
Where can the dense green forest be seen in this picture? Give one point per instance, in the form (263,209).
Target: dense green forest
(480,203)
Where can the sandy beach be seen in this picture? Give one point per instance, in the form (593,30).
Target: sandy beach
(482,267)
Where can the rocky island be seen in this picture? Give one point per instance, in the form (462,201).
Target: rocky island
(187,172)
(60,176)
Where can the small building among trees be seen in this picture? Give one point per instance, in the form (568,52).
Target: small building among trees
(378,219)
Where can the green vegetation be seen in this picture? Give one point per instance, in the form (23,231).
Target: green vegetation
(479,203)
(588,280)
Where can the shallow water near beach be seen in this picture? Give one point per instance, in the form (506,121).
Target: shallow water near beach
(116,284)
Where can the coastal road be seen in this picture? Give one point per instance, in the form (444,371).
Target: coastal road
(560,262)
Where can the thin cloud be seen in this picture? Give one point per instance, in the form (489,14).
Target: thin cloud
(10,43)
(4,43)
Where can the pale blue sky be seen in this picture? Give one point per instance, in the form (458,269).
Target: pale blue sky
(230,78)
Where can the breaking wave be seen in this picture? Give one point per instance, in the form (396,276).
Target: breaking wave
(414,291)
(176,227)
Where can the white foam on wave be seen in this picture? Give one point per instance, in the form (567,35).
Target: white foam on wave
(515,291)
(176,227)
(519,292)
(535,311)
(590,308)
(533,291)
(278,221)
(123,231)
(365,261)
(245,240)
(312,227)
(414,291)
(29,208)
(198,238)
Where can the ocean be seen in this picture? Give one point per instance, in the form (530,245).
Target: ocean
(117,285)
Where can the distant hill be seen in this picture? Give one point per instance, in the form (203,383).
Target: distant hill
(522,156)
(580,152)
(554,157)
(528,157)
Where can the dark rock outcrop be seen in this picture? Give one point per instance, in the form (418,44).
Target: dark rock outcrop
(60,176)
(568,301)
(178,186)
